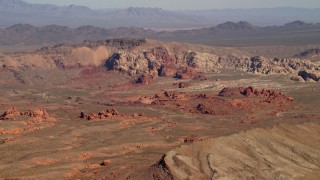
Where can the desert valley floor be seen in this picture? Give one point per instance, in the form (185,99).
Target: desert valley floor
(89,113)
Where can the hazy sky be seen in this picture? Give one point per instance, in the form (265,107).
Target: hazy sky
(185,4)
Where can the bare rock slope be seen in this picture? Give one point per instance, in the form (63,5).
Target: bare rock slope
(283,152)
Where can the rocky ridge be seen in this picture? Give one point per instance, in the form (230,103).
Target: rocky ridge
(307,76)
(186,64)
(312,54)
(139,56)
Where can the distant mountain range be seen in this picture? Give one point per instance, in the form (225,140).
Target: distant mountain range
(243,33)
(229,33)
(17,11)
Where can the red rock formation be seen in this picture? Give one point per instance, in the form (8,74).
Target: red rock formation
(174,95)
(228,92)
(243,99)
(192,138)
(186,73)
(145,78)
(249,91)
(38,116)
(162,54)
(108,113)
(268,96)
(201,78)
(39,113)
(9,113)
(181,84)
(202,108)
(167,70)
(105,163)
(29,121)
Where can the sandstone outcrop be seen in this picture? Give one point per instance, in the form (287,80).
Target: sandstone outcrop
(167,65)
(39,113)
(181,84)
(192,138)
(310,75)
(186,73)
(270,95)
(203,62)
(26,122)
(229,92)
(131,63)
(65,56)
(167,70)
(106,114)
(262,65)
(145,78)
(9,114)
(139,56)
(229,101)
(105,163)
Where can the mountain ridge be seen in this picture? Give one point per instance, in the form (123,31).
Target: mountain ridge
(229,33)
(19,11)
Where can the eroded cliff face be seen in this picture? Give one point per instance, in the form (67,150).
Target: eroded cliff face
(88,53)
(133,62)
(141,56)
(58,57)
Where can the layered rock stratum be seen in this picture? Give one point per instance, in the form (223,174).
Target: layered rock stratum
(283,152)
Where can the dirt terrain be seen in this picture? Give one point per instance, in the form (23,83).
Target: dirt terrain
(285,151)
(111,109)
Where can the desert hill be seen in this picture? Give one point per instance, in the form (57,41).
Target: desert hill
(226,34)
(259,153)
(313,54)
